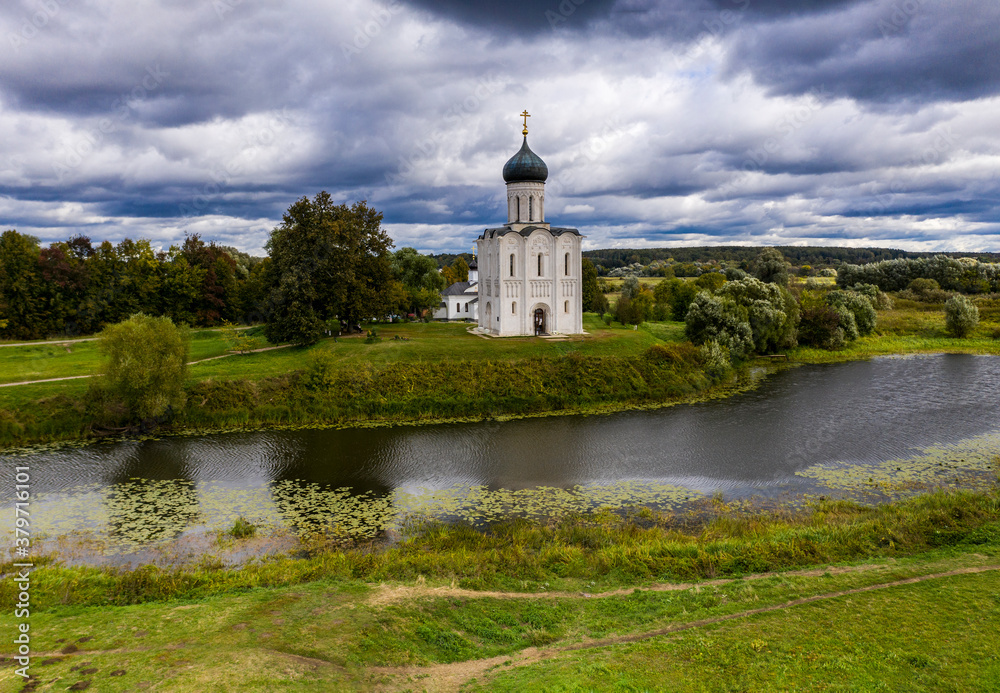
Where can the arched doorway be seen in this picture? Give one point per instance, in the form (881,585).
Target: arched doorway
(539,321)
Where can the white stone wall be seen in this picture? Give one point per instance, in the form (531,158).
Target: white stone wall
(525,202)
(546,275)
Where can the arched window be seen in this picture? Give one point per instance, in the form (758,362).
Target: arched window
(519,208)
(513,308)
(539,264)
(511,265)
(531,208)
(567,264)
(466,307)
(566,306)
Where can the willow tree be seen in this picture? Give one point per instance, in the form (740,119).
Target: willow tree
(145,366)
(327,262)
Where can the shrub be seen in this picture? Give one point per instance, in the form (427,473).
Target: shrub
(242,529)
(960,316)
(722,321)
(320,371)
(145,366)
(820,327)
(860,308)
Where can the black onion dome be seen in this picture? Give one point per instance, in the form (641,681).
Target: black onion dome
(525,166)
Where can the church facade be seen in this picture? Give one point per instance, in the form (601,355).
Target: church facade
(529,271)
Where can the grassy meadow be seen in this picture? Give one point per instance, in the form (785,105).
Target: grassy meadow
(422,372)
(899,597)
(830,595)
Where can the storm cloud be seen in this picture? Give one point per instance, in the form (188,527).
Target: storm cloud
(833,122)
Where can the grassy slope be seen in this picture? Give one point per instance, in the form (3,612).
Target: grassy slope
(343,632)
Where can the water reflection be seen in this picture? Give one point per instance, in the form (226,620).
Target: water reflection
(864,412)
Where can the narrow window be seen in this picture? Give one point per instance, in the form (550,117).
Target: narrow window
(466,307)
(567,264)
(531,209)
(512,264)
(519,208)
(566,306)
(513,309)
(539,264)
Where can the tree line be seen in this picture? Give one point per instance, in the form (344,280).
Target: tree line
(329,267)
(741,256)
(74,287)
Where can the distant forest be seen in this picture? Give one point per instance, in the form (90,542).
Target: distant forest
(741,256)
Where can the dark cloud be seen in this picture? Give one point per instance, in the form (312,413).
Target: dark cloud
(883,52)
(518,17)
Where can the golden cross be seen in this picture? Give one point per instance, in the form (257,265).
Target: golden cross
(526,116)
(473,251)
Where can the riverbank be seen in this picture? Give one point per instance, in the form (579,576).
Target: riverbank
(590,602)
(425,373)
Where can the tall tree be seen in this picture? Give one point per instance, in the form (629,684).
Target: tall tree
(22,304)
(327,261)
(588,287)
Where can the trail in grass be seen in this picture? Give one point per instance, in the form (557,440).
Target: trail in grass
(448,678)
(190,363)
(391,594)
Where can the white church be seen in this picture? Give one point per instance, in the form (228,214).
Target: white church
(528,277)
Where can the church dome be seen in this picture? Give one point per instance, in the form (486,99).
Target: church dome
(525,166)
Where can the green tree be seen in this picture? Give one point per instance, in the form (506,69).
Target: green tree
(22,303)
(861,309)
(327,261)
(721,324)
(710,281)
(772,312)
(420,280)
(145,366)
(682,294)
(770,267)
(960,316)
(588,285)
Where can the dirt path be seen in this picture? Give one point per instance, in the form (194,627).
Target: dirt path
(77,377)
(448,678)
(389,595)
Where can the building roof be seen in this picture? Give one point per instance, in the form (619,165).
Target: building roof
(525,166)
(527,231)
(459,288)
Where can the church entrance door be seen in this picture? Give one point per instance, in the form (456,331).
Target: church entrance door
(539,321)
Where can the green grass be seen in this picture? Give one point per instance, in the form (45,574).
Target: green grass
(65,359)
(432,372)
(398,619)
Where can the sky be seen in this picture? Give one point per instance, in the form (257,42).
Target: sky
(662,122)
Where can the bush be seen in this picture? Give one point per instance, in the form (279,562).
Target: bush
(145,367)
(820,327)
(861,310)
(960,316)
(320,371)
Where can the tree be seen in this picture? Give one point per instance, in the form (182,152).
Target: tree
(21,302)
(327,261)
(720,323)
(420,281)
(960,316)
(145,366)
(588,285)
(770,267)
(458,272)
(772,312)
(710,281)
